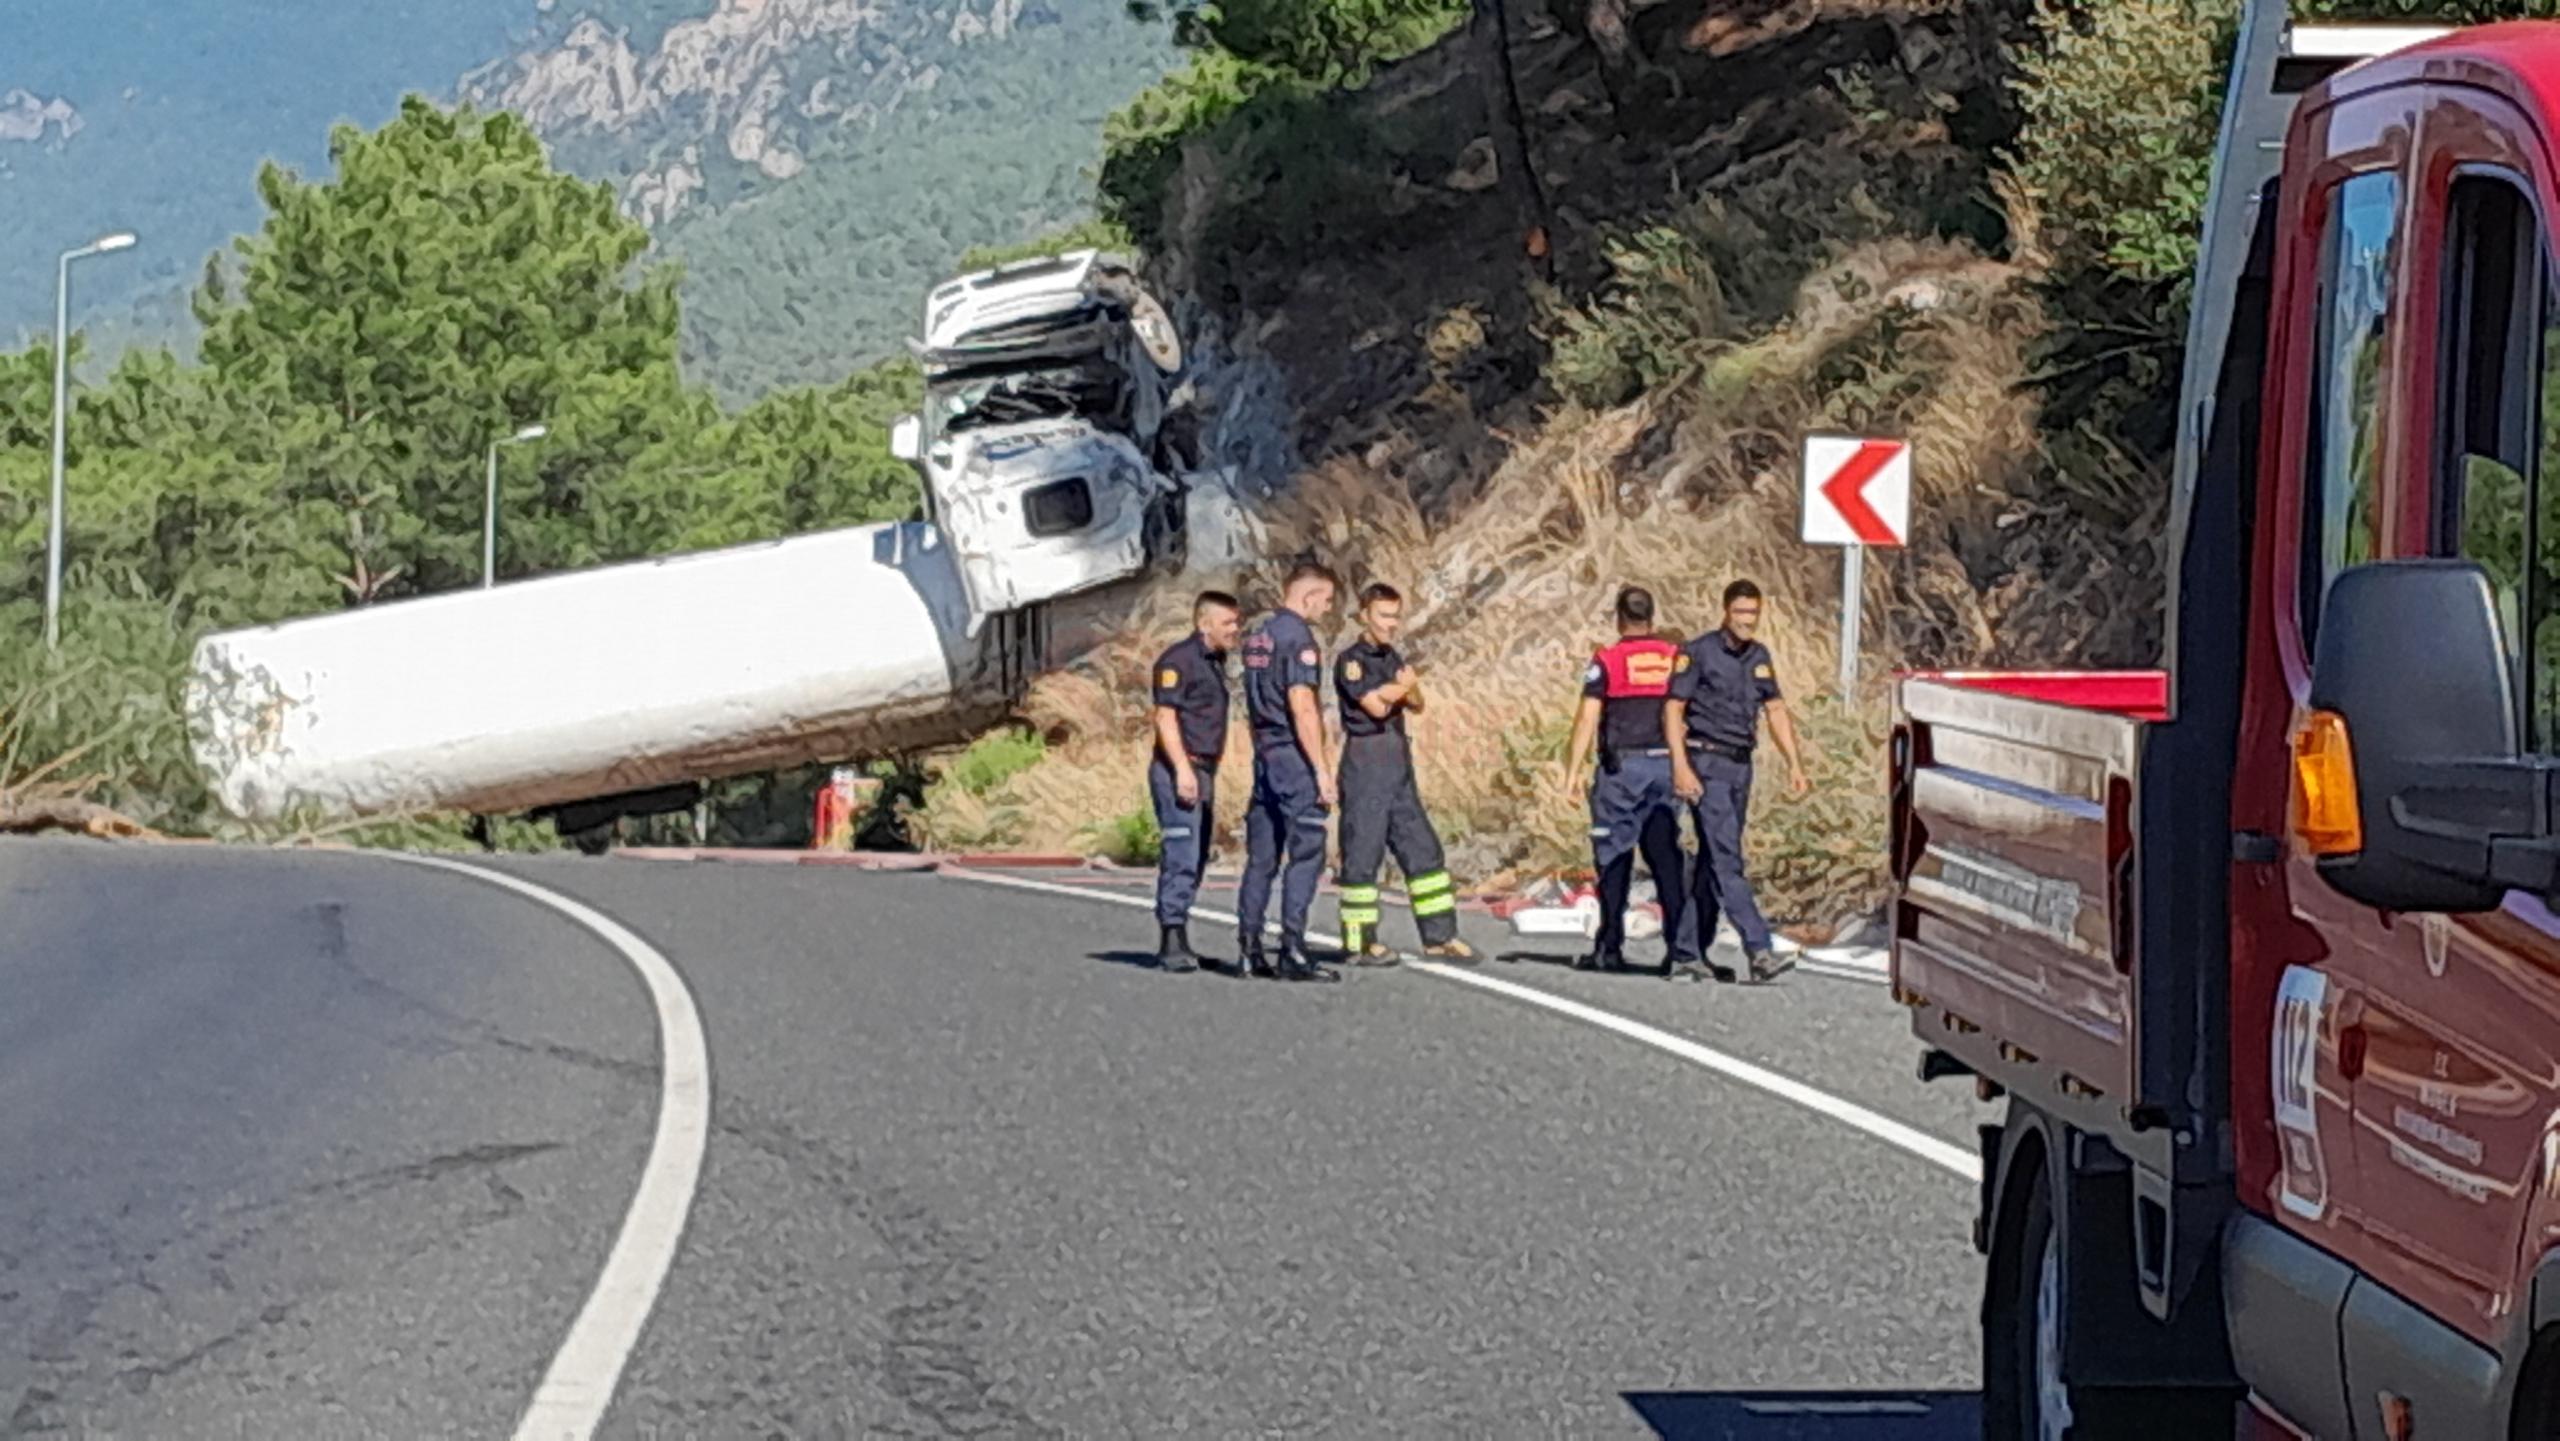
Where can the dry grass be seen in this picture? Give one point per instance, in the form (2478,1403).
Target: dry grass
(1680,492)
(53,792)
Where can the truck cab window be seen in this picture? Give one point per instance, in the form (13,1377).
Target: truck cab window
(1062,507)
(2498,472)
(2542,682)
(2489,410)
(2356,268)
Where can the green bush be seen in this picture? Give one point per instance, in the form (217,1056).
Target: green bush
(100,716)
(1321,42)
(2122,101)
(1142,140)
(1260,75)
(1656,318)
(993,759)
(1129,839)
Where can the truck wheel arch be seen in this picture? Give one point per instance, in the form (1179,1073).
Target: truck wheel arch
(2544,1303)
(2017,1153)
(2533,1375)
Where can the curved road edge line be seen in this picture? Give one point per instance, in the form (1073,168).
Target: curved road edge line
(578,1387)
(1849,1113)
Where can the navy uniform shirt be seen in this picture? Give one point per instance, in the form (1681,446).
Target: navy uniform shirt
(1191,681)
(1360,669)
(1629,678)
(1724,687)
(1279,654)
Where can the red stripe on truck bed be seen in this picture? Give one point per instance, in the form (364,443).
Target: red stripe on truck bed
(2140,694)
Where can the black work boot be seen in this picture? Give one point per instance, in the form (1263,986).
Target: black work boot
(1767,966)
(1296,964)
(1600,960)
(1173,951)
(1251,963)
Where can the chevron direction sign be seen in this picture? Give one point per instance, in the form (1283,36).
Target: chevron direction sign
(1856,492)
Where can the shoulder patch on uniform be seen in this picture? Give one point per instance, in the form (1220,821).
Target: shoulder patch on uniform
(1592,673)
(1682,663)
(1763,672)
(1308,656)
(1168,677)
(1351,670)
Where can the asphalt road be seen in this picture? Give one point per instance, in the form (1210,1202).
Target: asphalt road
(329,1145)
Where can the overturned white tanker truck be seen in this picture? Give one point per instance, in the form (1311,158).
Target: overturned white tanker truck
(1054,445)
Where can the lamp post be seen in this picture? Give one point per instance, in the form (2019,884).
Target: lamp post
(103,245)
(489,514)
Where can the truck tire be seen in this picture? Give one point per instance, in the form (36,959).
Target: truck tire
(2024,1396)
(2536,1415)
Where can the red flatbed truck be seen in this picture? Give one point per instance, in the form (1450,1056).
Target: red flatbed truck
(2262,949)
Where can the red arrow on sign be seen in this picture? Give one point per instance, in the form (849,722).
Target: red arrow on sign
(1844,491)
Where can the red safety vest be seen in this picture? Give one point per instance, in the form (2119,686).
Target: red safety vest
(1637,667)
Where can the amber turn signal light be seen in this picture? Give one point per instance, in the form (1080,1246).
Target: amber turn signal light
(2325,817)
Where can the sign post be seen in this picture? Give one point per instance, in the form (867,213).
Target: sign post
(1857,493)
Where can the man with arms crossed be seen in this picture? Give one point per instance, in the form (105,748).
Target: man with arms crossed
(1381,804)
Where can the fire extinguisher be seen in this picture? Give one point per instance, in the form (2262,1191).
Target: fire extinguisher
(841,802)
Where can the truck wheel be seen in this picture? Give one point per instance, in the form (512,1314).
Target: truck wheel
(2024,1395)
(2537,1404)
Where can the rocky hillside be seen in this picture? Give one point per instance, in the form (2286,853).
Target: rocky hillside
(813,163)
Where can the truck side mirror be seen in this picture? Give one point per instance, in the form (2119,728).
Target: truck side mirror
(906,438)
(2409,782)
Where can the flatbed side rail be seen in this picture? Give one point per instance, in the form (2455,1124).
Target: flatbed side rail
(2012,850)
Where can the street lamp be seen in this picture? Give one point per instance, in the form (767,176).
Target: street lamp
(103,245)
(489,513)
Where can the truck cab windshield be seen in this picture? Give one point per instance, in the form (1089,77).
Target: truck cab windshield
(1094,391)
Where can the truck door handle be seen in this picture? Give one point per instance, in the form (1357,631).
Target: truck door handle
(2255,848)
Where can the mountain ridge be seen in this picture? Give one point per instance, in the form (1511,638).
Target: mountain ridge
(814,164)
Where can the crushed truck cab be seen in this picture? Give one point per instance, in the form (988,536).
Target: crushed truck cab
(1048,442)
(2263,950)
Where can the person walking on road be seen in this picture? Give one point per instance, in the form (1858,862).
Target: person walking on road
(1292,784)
(1190,735)
(1632,805)
(1381,803)
(1721,684)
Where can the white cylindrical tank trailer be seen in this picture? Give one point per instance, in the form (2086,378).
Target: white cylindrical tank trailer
(606,682)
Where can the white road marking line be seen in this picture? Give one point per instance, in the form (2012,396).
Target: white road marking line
(1892,1132)
(579,1386)
(1927,1147)
(1838,972)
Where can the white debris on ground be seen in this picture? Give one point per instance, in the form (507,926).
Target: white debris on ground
(1553,906)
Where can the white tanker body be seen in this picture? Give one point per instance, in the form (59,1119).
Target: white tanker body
(605,682)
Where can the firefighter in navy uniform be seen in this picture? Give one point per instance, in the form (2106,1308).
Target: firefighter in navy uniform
(1292,784)
(1632,805)
(1725,681)
(1381,804)
(1190,716)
